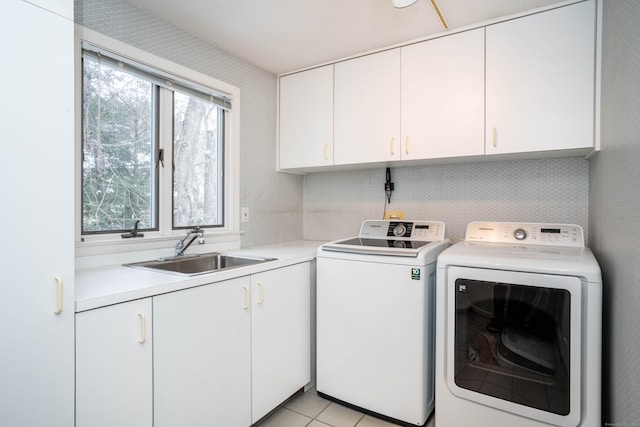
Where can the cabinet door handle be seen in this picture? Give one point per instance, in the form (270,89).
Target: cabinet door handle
(58,309)
(391,148)
(326,151)
(406,145)
(495,137)
(143,328)
(261,294)
(247,300)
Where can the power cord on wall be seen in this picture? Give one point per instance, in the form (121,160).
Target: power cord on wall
(388,188)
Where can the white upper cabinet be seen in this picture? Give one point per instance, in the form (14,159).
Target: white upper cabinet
(443,97)
(37,193)
(367,109)
(306,118)
(540,81)
(523,87)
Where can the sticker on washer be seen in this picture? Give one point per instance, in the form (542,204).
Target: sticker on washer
(415,274)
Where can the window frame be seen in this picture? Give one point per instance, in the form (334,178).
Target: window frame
(227,235)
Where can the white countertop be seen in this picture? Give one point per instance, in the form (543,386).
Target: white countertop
(102,286)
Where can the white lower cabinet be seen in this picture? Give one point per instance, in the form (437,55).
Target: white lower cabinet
(223,354)
(114,366)
(281,336)
(202,356)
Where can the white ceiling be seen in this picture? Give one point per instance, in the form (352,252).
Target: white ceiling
(286,35)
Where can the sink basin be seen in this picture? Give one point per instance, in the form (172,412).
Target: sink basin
(191,265)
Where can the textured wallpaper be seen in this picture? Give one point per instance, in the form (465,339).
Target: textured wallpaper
(550,190)
(274,200)
(615,211)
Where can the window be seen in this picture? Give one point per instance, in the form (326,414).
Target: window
(119,142)
(153,148)
(197,153)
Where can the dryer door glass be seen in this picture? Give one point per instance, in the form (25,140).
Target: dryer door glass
(512,342)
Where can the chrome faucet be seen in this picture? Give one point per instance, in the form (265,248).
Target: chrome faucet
(193,233)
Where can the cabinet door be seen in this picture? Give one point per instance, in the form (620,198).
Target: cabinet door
(540,81)
(281,336)
(306,118)
(114,366)
(443,97)
(37,175)
(202,350)
(367,109)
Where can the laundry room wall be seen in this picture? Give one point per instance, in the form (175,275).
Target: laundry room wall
(549,190)
(614,211)
(274,199)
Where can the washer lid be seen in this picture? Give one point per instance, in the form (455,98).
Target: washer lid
(399,247)
(395,238)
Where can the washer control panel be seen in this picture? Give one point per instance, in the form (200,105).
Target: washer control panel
(403,229)
(526,233)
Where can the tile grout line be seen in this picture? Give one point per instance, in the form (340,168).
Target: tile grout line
(358,422)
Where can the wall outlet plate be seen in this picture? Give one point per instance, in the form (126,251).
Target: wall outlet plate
(394,215)
(245,215)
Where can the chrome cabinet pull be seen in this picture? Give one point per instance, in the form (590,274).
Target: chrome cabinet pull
(406,145)
(58,309)
(326,151)
(247,300)
(143,328)
(391,148)
(495,137)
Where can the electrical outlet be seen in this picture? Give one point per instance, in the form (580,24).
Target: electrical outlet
(394,215)
(245,215)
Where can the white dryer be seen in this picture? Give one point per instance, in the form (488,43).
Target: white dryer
(518,328)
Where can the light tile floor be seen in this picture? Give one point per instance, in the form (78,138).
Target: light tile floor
(310,410)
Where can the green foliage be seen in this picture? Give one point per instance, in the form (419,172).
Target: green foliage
(118,171)
(117,149)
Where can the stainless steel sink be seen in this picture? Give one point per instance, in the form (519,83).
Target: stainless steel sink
(191,265)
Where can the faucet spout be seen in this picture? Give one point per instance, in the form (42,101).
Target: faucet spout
(194,233)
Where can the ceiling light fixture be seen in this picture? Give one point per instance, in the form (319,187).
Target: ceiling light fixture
(403,3)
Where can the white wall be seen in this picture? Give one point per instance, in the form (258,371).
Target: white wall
(614,211)
(274,199)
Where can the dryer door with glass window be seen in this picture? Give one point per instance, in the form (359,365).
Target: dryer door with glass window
(513,342)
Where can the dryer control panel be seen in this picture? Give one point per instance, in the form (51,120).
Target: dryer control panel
(526,233)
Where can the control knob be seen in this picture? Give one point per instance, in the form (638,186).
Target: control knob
(399,230)
(520,234)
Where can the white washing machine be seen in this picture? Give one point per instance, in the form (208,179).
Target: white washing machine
(375,319)
(518,328)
